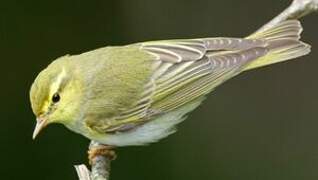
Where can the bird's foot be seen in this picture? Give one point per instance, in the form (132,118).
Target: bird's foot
(101,150)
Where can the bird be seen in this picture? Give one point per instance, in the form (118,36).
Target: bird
(138,93)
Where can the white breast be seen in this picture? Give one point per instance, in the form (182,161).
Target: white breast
(152,131)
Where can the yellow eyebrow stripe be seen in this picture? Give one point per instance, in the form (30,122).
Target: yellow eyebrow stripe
(53,89)
(57,83)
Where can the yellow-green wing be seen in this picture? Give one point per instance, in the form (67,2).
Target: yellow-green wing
(185,70)
(189,77)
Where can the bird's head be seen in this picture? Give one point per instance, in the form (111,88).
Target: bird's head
(55,94)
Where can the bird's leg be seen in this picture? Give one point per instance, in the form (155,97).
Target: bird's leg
(100,150)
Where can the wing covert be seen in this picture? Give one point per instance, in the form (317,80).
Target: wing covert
(185,70)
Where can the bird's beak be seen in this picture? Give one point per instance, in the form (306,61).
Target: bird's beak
(40,124)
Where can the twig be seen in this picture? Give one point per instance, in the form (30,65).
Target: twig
(296,10)
(82,172)
(101,164)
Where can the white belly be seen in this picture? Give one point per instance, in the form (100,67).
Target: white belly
(149,132)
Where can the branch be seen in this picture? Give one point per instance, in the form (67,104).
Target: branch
(100,157)
(82,172)
(101,163)
(296,10)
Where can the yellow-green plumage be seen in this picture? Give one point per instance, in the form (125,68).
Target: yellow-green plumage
(136,94)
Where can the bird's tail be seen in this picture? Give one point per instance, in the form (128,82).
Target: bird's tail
(282,42)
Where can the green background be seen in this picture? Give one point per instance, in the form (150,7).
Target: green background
(261,125)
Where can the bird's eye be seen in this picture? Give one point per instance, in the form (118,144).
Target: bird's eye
(56,98)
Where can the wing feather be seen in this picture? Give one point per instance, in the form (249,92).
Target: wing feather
(219,68)
(186,70)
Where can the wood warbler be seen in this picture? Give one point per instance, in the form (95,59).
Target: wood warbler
(136,94)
